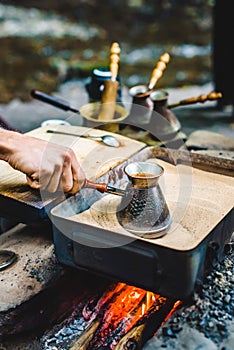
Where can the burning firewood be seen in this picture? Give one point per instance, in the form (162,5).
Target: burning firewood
(86,337)
(122,316)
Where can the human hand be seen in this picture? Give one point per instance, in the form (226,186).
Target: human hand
(47,166)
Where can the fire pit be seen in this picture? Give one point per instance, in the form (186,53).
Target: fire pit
(122,317)
(125,317)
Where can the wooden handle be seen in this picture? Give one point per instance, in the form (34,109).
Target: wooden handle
(108,103)
(109,95)
(202,98)
(158,70)
(114,60)
(101,187)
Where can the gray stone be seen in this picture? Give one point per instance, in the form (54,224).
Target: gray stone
(35,268)
(188,339)
(36,290)
(203,140)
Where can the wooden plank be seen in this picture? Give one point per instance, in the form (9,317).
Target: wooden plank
(219,162)
(17,198)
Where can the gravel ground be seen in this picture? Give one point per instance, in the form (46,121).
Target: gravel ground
(208,324)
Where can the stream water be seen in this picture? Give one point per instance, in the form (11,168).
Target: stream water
(60,41)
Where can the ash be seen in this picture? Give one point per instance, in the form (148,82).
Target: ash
(208,324)
(65,334)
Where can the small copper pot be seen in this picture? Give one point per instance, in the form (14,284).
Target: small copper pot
(163,123)
(144,211)
(142,106)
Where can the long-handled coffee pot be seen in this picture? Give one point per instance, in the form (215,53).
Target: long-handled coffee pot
(156,75)
(109,95)
(202,98)
(142,104)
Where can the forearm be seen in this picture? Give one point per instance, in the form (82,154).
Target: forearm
(7,143)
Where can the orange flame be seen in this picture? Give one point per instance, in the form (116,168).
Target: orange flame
(121,308)
(126,307)
(174,308)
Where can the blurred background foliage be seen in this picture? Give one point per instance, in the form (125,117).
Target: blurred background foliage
(44,43)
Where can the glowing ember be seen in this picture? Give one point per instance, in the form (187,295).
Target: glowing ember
(175,306)
(91,313)
(123,316)
(120,309)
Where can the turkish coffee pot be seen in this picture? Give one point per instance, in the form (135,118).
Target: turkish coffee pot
(142,104)
(144,211)
(164,124)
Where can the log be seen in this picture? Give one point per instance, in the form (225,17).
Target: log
(83,342)
(102,321)
(208,161)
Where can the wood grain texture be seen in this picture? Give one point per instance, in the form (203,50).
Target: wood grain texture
(95,158)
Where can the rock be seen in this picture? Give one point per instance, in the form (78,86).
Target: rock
(227,298)
(34,269)
(227,343)
(188,339)
(203,140)
(36,290)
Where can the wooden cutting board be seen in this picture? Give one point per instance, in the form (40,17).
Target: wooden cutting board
(18,201)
